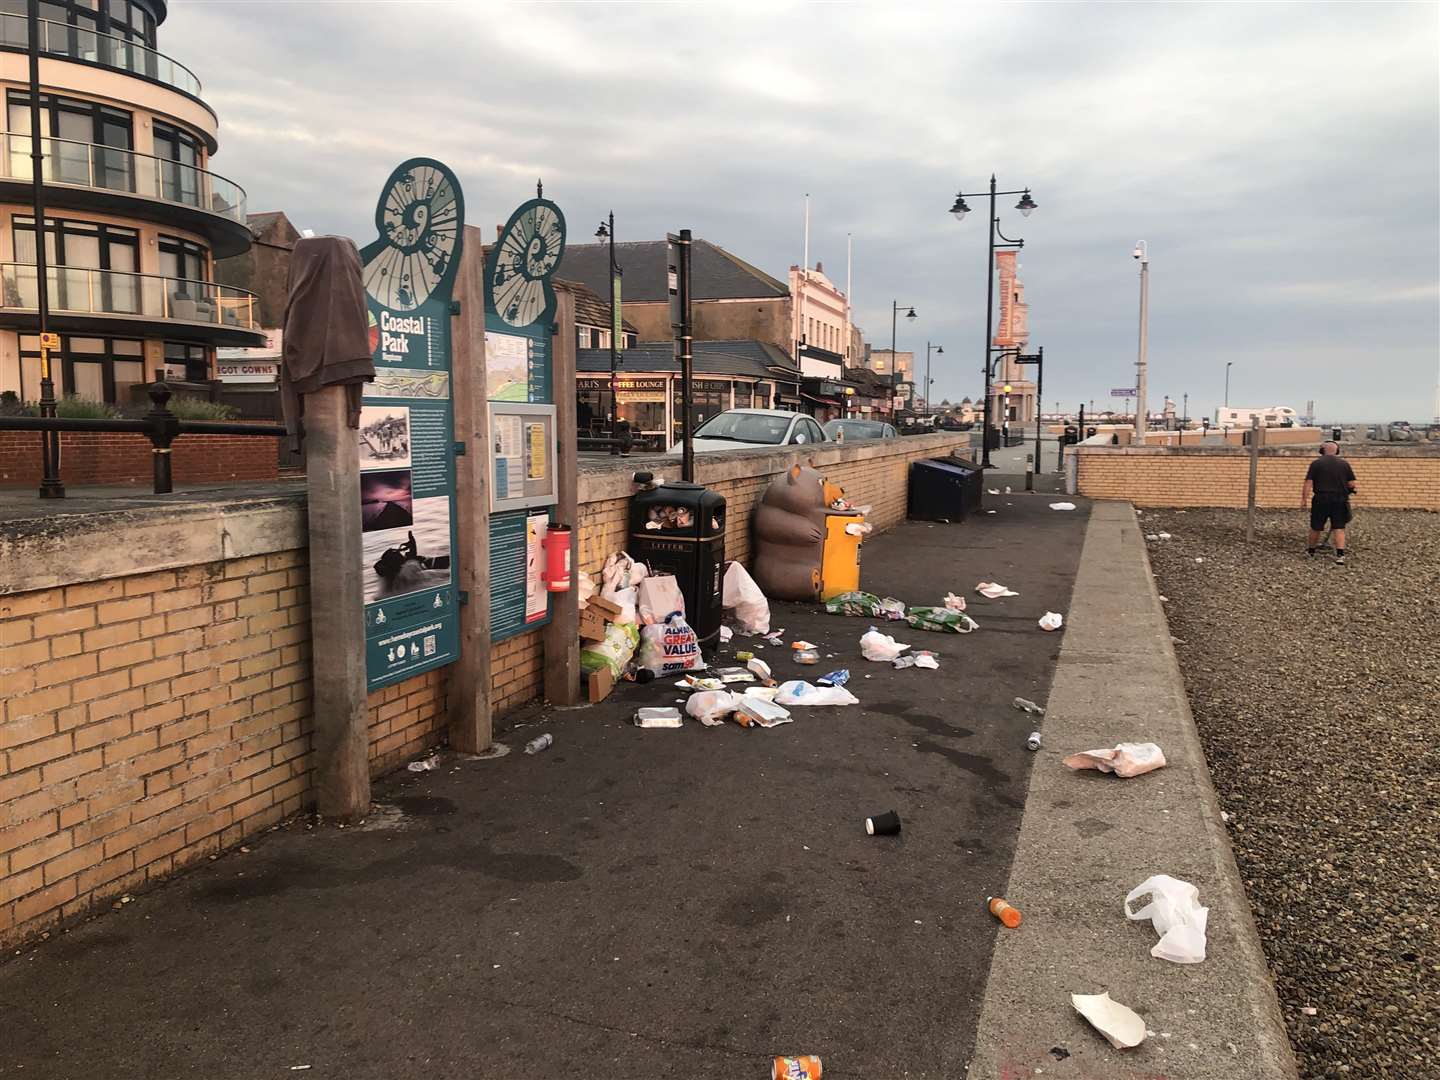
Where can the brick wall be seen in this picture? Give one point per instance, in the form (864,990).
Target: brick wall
(152,719)
(96,457)
(1388,477)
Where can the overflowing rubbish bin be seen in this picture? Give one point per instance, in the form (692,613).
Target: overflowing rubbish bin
(944,489)
(679,529)
(807,538)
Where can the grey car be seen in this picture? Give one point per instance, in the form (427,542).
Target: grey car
(856,430)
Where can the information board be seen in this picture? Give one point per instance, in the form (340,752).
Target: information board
(406,435)
(519,325)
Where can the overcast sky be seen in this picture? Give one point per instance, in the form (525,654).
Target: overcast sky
(1282,161)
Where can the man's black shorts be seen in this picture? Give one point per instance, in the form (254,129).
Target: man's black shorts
(1332,508)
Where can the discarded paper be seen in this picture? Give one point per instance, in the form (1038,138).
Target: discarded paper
(993,590)
(1126,760)
(1118,1023)
(1052,620)
(1062,506)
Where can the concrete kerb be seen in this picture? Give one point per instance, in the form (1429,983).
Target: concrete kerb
(1087,839)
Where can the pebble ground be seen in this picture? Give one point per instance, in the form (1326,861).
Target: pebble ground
(1316,690)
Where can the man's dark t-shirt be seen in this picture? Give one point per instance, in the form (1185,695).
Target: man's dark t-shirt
(1331,475)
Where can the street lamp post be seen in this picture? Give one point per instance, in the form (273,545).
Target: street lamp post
(1227,382)
(1025,206)
(939,351)
(894,316)
(1142,252)
(51,486)
(607,232)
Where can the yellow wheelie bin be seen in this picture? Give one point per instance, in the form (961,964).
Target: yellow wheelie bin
(840,556)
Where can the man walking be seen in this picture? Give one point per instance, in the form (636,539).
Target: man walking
(1329,483)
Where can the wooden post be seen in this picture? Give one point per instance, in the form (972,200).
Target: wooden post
(562,635)
(337,608)
(1254,472)
(471,724)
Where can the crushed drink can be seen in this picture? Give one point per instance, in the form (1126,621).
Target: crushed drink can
(805,1067)
(835,678)
(1033,742)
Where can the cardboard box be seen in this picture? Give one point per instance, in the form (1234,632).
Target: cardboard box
(599,684)
(592,625)
(609,610)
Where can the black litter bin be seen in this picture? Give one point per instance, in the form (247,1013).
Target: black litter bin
(1072,435)
(1090,432)
(945,489)
(680,529)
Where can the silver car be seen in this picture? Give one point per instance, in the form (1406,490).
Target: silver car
(739,429)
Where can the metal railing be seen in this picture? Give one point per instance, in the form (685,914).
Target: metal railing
(109,168)
(75,290)
(107,50)
(159,425)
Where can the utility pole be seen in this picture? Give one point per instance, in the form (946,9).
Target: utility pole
(1142,252)
(608,230)
(51,486)
(680,319)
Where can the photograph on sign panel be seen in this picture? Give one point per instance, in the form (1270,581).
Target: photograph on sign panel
(507,367)
(384,437)
(400,561)
(385,500)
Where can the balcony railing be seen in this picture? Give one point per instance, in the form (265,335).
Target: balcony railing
(77,291)
(107,50)
(109,168)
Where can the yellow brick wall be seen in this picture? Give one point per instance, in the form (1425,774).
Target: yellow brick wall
(153,719)
(1147,478)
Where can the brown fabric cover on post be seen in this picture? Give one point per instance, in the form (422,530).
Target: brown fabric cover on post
(327,328)
(790,535)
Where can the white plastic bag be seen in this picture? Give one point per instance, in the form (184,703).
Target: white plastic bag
(586,588)
(711,707)
(620,572)
(877,646)
(993,590)
(1052,620)
(798,692)
(739,591)
(1062,506)
(1126,760)
(669,647)
(660,597)
(1175,912)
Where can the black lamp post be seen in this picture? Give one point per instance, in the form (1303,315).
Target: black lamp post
(939,351)
(606,231)
(1025,206)
(51,486)
(894,316)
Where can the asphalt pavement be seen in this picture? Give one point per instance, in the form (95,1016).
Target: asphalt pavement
(629,903)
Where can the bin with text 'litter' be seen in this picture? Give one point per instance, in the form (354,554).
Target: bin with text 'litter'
(840,557)
(944,489)
(680,529)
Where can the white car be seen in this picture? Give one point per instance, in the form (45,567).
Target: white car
(740,429)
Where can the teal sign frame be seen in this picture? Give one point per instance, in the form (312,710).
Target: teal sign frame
(519,325)
(406,438)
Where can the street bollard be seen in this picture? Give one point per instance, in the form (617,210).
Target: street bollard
(1029,472)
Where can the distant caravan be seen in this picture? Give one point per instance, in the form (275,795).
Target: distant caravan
(1273,416)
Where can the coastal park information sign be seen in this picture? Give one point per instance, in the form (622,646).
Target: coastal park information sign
(406,439)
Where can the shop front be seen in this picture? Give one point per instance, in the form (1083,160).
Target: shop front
(652,403)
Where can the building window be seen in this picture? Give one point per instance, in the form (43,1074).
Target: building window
(188,362)
(76,249)
(179,154)
(97,369)
(708,397)
(744,395)
(89,143)
(121,18)
(185,264)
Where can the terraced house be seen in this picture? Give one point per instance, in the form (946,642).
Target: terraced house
(134,216)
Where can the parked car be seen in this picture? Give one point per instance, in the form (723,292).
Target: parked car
(855,430)
(737,429)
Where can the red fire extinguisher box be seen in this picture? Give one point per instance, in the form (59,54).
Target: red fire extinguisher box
(557,558)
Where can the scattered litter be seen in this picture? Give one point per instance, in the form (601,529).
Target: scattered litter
(1198,559)
(993,590)
(539,743)
(425,764)
(1152,536)
(1164,599)
(989,511)
(1026,705)
(299,1068)
(886,824)
(1003,911)
(655,525)
(940,620)
(669,647)
(1032,741)
(1163,536)
(892,609)
(660,597)
(1119,1024)
(758,711)
(761,670)
(1052,620)
(774,637)
(1126,760)
(992,491)
(694,682)
(725,635)
(877,646)
(838,677)
(1007,491)
(798,692)
(614,650)
(926,660)
(734,675)
(1175,912)
(1062,506)
(739,591)
(806,656)
(1308,1010)
(711,707)
(922,658)
(863,604)
(801,645)
(805,1067)
(586,589)
(1177,641)
(953,602)
(859,528)
(1224,817)
(663,716)
(764,693)
(744,655)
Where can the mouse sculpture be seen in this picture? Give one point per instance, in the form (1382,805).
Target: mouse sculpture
(789,528)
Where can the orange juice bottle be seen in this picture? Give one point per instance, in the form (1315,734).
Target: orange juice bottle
(1003,911)
(806,1067)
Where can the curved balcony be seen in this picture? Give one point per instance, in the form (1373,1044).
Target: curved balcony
(104,50)
(86,176)
(114,301)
